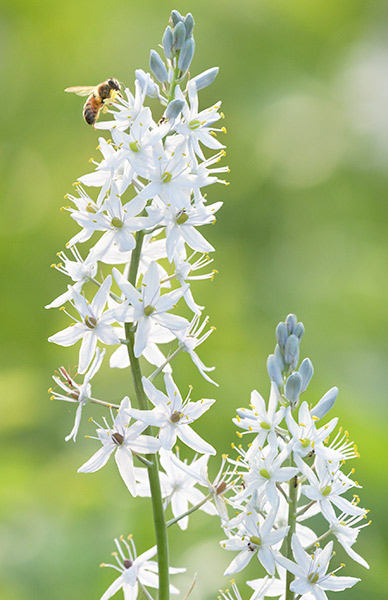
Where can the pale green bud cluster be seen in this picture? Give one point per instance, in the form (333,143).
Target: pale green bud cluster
(282,364)
(178,45)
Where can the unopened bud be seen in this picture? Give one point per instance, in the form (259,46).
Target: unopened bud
(325,404)
(151,88)
(274,371)
(176,17)
(167,42)
(158,67)
(186,55)
(179,36)
(205,79)
(299,330)
(189,24)
(280,358)
(291,351)
(281,334)
(306,370)
(291,322)
(174,108)
(293,387)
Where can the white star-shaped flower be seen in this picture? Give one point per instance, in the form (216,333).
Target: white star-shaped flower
(174,416)
(95,324)
(311,577)
(147,305)
(125,441)
(134,570)
(75,392)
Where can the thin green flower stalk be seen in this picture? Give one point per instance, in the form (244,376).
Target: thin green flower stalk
(290,472)
(139,214)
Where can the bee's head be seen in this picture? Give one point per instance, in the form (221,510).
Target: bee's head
(114,84)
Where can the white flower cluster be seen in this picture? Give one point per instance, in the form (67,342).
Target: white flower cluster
(139,214)
(291,472)
(140,223)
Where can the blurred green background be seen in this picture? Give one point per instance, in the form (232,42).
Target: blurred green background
(304,87)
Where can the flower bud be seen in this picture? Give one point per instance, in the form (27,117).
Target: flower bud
(151,88)
(189,25)
(306,370)
(299,330)
(291,322)
(274,371)
(176,17)
(293,388)
(206,78)
(158,67)
(186,55)
(179,36)
(291,351)
(174,108)
(167,42)
(325,404)
(281,334)
(280,358)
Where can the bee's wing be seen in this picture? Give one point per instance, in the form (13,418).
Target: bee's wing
(82,90)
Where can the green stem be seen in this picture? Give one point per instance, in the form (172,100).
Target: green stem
(153,468)
(166,362)
(293,493)
(174,82)
(189,511)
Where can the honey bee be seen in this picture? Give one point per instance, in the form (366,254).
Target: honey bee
(99,95)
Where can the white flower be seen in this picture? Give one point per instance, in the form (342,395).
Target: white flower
(180,225)
(170,178)
(148,306)
(113,168)
(265,471)
(327,486)
(343,527)
(124,441)
(125,109)
(118,223)
(310,572)
(183,270)
(195,125)
(134,570)
(255,536)
(222,482)
(268,586)
(190,338)
(179,484)
(307,438)
(260,420)
(79,270)
(95,325)
(75,392)
(174,416)
(158,335)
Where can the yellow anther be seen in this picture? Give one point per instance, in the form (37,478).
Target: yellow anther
(91,159)
(223,129)
(239,434)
